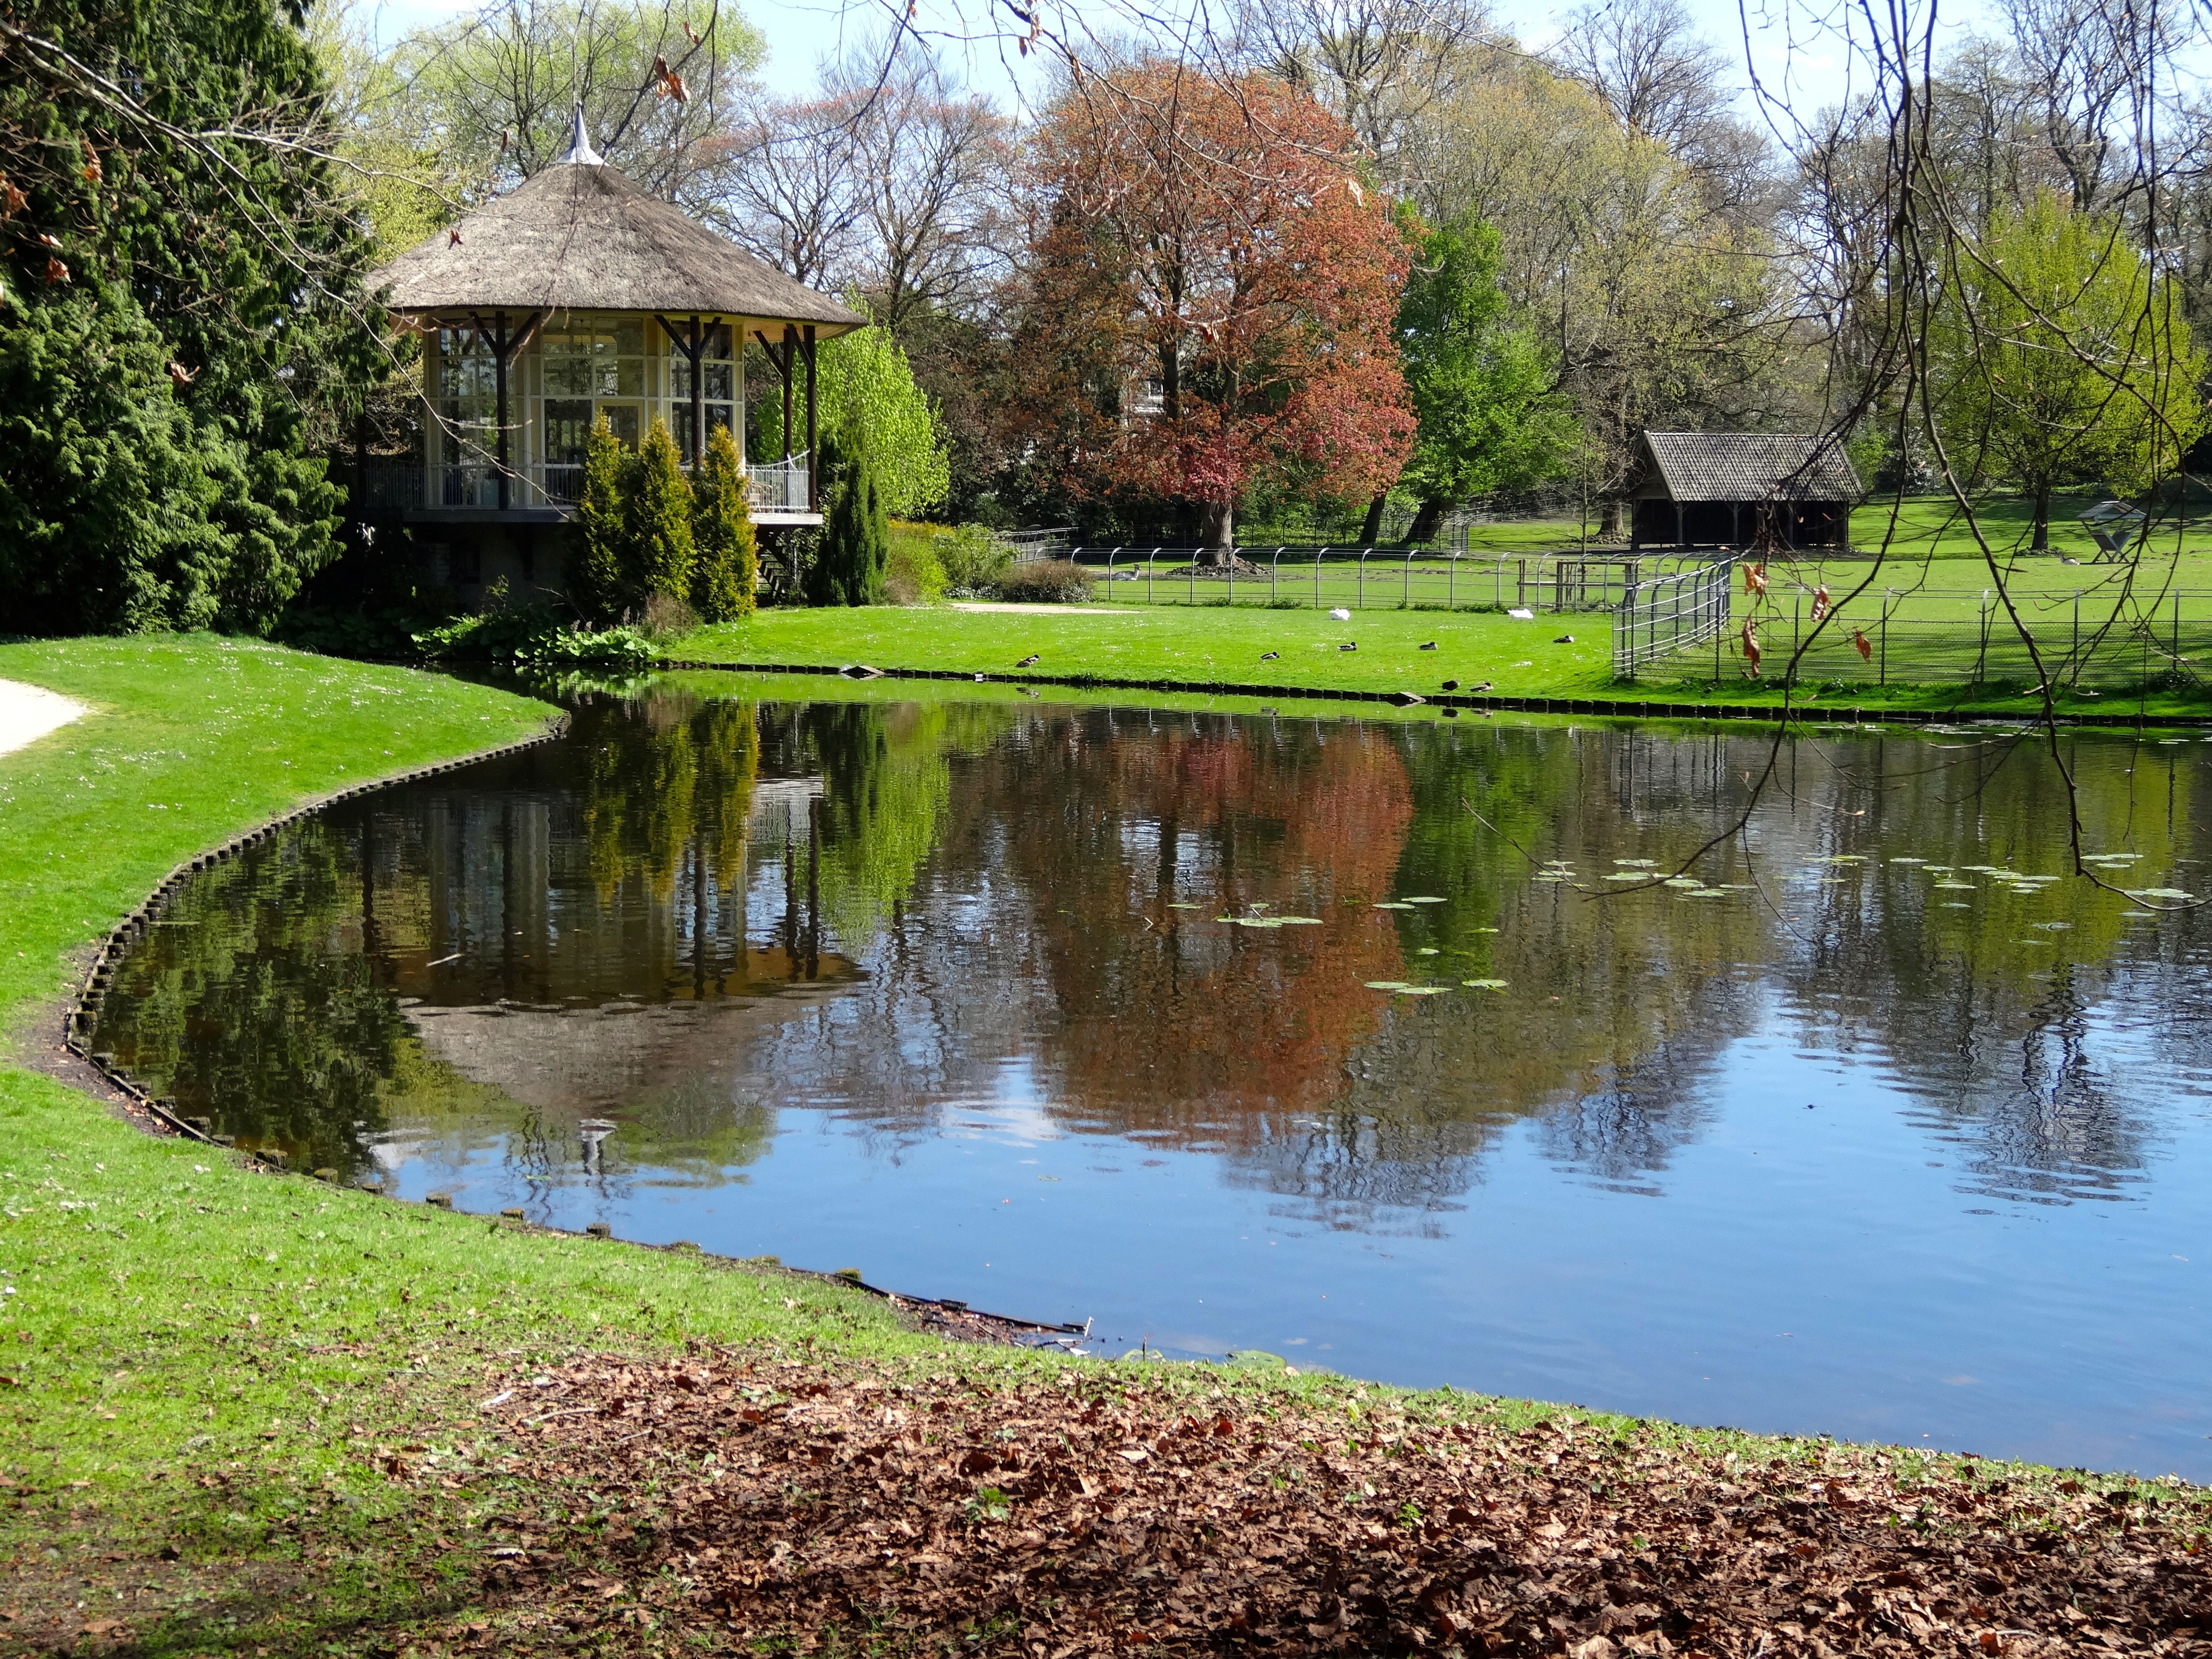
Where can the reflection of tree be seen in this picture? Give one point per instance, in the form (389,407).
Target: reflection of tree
(239,1006)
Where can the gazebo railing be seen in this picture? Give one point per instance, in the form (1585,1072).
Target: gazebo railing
(770,487)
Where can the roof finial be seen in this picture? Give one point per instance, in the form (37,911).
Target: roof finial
(580,153)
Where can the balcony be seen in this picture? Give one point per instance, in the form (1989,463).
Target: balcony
(775,492)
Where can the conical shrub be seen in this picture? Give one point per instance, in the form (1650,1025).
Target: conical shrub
(725,556)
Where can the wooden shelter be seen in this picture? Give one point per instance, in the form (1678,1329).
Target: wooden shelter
(1741,490)
(577,297)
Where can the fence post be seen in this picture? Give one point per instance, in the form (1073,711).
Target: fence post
(2074,656)
(1981,661)
(1317,553)
(1232,574)
(1882,675)
(1110,552)
(1406,586)
(1520,585)
(1148,575)
(2177,630)
(1452,582)
(1274,575)
(1190,579)
(1361,602)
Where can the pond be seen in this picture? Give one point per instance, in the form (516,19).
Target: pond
(1357,1041)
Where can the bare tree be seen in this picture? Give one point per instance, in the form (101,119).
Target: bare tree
(782,184)
(930,184)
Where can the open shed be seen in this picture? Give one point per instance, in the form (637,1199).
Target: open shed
(1741,489)
(575,297)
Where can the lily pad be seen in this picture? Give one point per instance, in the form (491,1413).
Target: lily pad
(1174,905)
(1391,905)
(1417,898)
(1708,893)
(1638,864)
(2054,926)
(1428,950)
(1628,875)
(2158,893)
(1423,990)
(1297,921)
(1386,984)
(1483,984)
(1956,886)
(1681,881)
(1908,860)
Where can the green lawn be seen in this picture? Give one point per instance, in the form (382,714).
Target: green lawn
(1186,645)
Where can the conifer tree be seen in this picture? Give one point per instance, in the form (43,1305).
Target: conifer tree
(598,562)
(725,556)
(856,533)
(661,552)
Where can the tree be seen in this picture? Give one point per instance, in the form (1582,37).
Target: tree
(181,319)
(1212,292)
(495,93)
(2060,360)
(726,563)
(856,534)
(660,551)
(864,382)
(1491,415)
(598,563)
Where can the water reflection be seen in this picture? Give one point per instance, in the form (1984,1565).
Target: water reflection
(841,946)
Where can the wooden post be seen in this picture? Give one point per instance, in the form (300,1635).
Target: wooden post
(790,343)
(813,460)
(698,391)
(499,380)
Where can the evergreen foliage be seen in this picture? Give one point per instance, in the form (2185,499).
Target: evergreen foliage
(600,534)
(659,510)
(726,563)
(848,569)
(175,337)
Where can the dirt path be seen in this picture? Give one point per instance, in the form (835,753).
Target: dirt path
(27,713)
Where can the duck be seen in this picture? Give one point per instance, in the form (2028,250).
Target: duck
(1030,661)
(1451,685)
(1349,645)
(1426,645)
(1269,656)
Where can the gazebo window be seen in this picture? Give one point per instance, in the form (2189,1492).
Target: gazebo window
(719,381)
(468,397)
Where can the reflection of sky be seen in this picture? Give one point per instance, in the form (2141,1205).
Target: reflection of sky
(1812,1266)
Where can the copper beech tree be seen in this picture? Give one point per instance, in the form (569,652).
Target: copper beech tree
(1212,292)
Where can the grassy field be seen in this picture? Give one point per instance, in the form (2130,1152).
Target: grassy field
(243,1412)
(1181,647)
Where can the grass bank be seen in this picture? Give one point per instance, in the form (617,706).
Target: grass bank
(1197,648)
(244,1412)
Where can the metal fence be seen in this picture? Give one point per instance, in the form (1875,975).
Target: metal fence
(1664,614)
(1028,546)
(1363,577)
(2085,640)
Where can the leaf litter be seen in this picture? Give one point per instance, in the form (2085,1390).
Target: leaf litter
(726,1504)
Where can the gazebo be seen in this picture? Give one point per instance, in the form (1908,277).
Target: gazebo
(1732,488)
(577,296)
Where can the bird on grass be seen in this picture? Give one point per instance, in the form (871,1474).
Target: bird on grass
(1269,656)
(1028,661)
(1485,686)
(1451,685)
(1349,645)
(1430,645)
(1564,639)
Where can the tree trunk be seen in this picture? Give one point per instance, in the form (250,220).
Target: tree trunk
(1613,519)
(1219,530)
(1427,520)
(1372,528)
(2042,542)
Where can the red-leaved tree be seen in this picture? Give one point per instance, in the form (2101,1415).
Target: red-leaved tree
(1211,291)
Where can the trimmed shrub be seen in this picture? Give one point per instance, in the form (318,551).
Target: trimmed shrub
(598,580)
(661,552)
(725,555)
(1045,581)
(848,567)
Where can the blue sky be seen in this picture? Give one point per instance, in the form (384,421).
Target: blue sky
(1803,64)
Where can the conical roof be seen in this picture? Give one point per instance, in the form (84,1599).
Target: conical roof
(580,236)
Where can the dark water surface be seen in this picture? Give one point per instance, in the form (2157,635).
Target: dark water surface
(1856,1144)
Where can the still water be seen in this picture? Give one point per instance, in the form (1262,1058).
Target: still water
(1885,1128)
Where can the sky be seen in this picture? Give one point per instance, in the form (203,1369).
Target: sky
(1805,73)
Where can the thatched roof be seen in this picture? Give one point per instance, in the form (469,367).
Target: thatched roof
(580,236)
(1745,466)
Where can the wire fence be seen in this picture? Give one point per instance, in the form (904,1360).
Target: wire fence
(1670,613)
(1358,577)
(2086,640)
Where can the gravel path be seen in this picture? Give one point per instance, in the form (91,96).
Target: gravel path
(27,713)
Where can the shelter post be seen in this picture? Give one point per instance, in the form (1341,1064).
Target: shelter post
(499,380)
(813,459)
(790,346)
(698,391)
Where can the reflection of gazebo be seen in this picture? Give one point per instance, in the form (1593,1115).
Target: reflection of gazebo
(1739,489)
(577,297)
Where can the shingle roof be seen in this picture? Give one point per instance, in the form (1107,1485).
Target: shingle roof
(1749,467)
(579,235)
